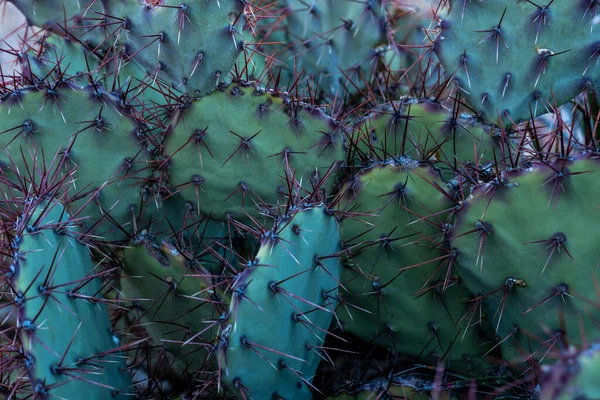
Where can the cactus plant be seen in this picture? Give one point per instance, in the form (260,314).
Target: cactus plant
(177,299)
(402,289)
(331,40)
(62,325)
(521,248)
(426,131)
(515,60)
(288,291)
(190,45)
(90,139)
(336,215)
(224,136)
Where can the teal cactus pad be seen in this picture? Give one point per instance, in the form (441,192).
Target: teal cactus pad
(79,15)
(191,45)
(512,58)
(337,43)
(282,307)
(66,335)
(60,59)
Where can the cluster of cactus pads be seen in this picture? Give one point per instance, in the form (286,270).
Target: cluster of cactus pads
(323,199)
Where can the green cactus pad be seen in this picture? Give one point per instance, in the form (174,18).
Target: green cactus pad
(281,309)
(231,150)
(60,59)
(424,131)
(528,251)
(79,15)
(84,137)
(191,45)
(66,334)
(178,299)
(513,58)
(402,289)
(337,43)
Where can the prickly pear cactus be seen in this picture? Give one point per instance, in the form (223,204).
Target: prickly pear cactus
(233,152)
(77,17)
(524,249)
(59,59)
(517,59)
(67,342)
(293,199)
(282,305)
(191,45)
(402,288)
(86,138)
(426,131)
(179,304)
(337,43)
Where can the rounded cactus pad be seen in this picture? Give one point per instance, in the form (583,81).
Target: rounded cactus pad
(85,138)
(178,304)
(58,59)
(68,345)
(517,59)
(78,16)
(191,45)
(528,250)
(402,288)
(338,43)
(426,131)
(282,306)
(234,151)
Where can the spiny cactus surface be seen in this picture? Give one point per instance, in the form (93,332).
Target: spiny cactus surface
(401,285)
(517,59)
(299,200)
(84,137)
(523,250)
(68,344)
(282,306)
